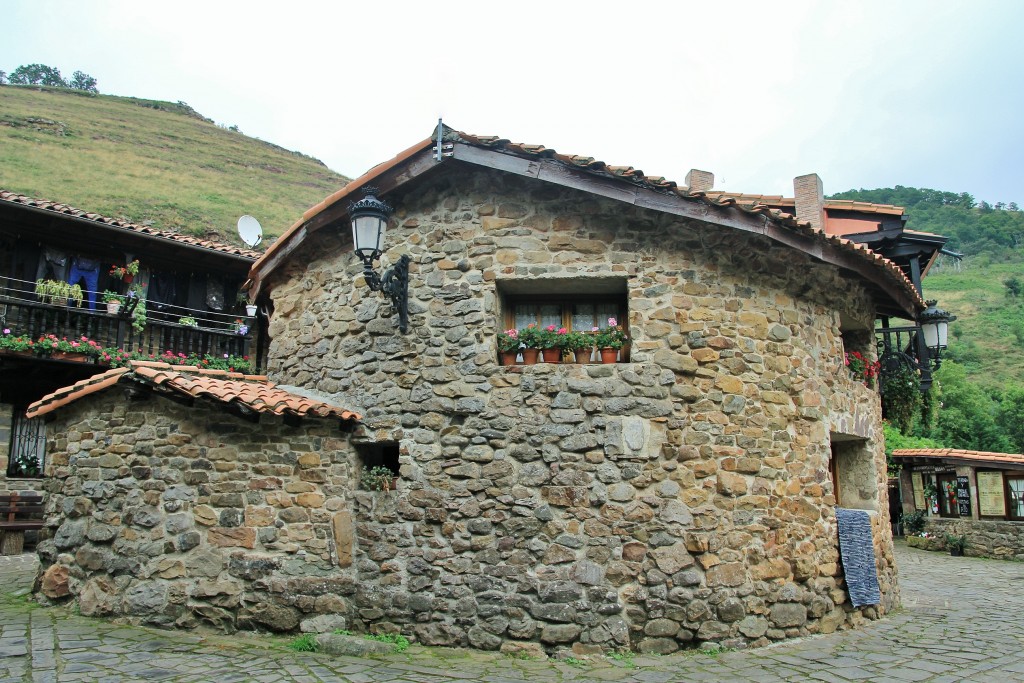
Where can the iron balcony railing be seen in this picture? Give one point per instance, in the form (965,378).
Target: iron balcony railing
(23,313)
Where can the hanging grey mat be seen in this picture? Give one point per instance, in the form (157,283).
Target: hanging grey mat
(857,549)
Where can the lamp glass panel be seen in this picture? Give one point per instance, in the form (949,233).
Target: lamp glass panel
(367,233)
(943,328)
(931,335)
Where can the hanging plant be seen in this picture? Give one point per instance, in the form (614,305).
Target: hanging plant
(901,395)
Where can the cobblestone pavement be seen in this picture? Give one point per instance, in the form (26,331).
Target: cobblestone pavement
(963,620)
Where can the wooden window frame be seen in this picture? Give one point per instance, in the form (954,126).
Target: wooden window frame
(1007,497)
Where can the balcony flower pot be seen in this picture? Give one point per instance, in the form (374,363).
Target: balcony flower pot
(250,310)
(70,356)
(583,355)
(553,355)
(609,355)
(113,307)
(509,357)
(530,356)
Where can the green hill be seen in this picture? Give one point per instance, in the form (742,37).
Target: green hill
(151,162)
(988,337)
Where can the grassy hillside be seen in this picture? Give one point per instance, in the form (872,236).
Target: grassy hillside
(151,162)
(988,337)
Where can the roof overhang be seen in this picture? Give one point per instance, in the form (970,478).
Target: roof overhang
(892,291)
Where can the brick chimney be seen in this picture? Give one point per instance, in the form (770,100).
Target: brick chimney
(810,200)
(699,181)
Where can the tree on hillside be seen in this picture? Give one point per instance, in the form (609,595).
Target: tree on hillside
(37,74)
(83,81)
(1011,417)
(1013,286)
(968,416)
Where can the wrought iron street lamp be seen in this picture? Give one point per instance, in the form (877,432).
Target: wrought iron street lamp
(934,324)
(369,218)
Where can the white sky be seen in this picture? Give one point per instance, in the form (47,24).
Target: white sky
(867,94)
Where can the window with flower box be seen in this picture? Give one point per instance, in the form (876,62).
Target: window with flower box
(575,305)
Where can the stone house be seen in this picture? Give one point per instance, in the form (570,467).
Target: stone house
(685,494)
(180,275)
(179,495)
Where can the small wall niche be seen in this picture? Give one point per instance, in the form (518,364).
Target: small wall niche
(380,454)
(854,475)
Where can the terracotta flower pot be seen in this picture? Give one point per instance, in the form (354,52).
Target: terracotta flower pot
(68,355)
(609,355)
(530,356)
(509,357)
(127,279)
(553,355)
(583,355)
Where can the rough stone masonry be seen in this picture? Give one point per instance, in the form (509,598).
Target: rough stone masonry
(680,498)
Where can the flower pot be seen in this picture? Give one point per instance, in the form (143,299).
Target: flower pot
(530,356)
(583,355)
(553,355)
(113,307)
(127,279)
(250,310)
(609,355)
(509,357)
(66,355)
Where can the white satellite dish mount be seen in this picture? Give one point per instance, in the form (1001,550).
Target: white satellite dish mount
(249,230)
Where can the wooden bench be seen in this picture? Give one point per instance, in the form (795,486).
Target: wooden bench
(18,513)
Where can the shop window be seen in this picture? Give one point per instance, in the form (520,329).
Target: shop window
(945,487)
(28,446)
(1014,496)
(854,476)
(579,305)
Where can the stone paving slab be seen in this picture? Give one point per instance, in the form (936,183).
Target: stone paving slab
(962,620)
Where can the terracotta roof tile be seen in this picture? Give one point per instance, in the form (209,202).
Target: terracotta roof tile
(251,392)
(66,395)
(213,245)
(984,457)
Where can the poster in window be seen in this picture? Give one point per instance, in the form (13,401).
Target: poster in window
(963,496)
(990,494)
(918,482)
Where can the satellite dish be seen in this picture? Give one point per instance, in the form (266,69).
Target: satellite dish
(249,230)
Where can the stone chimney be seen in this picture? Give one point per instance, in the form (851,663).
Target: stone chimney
(810,200)
(699,181)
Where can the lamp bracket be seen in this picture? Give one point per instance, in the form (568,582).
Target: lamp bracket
(394,284)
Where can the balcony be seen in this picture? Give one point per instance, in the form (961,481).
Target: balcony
(217,334)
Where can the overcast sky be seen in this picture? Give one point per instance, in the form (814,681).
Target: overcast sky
(867,94)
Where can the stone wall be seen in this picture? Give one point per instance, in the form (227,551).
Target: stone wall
(997,539)
(683,497)
(169,514)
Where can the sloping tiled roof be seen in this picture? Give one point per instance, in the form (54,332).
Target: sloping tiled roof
(78,390)
(981,457)
(253,393)
(13,198)
(297,232)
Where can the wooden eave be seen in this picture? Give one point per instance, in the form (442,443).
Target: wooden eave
(74,233)
(892,295)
